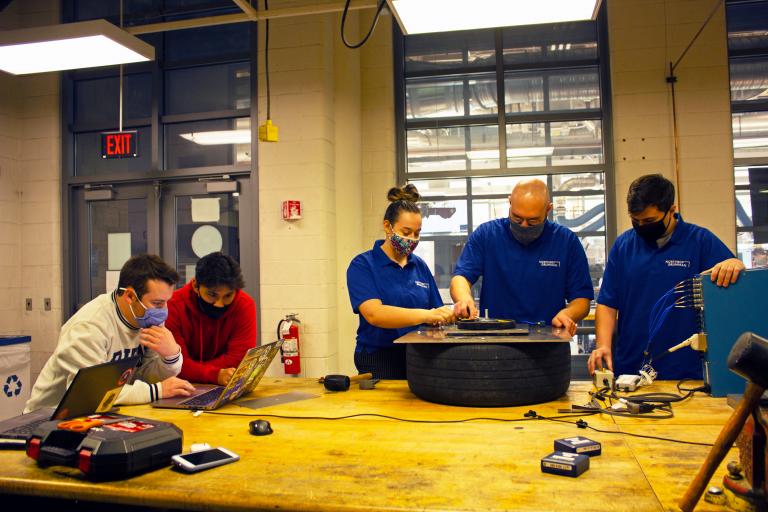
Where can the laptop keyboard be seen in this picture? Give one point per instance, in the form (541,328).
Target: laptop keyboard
(206,398)
(26,429)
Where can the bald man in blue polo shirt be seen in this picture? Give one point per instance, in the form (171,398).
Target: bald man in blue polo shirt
(533,270)
(645,262)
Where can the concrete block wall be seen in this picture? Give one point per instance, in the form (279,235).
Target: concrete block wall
(334,109)
(30,193)
(297,258)
(348,137)
(11,302)
(644,37)
(378,111)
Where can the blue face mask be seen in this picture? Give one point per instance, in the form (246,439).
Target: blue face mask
(151,316)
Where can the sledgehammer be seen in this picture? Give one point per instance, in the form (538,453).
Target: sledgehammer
(342,382)
(748,358)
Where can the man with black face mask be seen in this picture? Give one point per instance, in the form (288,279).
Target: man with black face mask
(213,320)
(644,263)
(533,270)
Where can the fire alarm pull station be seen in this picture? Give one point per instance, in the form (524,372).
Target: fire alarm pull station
(291,210)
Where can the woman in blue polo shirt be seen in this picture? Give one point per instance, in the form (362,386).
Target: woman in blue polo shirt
(393,290)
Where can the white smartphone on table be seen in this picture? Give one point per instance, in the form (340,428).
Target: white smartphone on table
(204,459)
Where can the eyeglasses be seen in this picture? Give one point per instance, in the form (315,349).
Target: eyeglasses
(531,222)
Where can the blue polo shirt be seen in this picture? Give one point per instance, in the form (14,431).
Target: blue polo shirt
(525,283)
(372,275)
(636,275)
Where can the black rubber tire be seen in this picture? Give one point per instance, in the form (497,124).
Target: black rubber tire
(489,375)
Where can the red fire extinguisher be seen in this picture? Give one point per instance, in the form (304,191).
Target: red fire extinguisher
(288,331)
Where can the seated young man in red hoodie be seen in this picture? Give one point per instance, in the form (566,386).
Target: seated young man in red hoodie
(213,320)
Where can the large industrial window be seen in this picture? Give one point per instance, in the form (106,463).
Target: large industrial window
(189,190)
(200,82)
(748,55)
(465,152)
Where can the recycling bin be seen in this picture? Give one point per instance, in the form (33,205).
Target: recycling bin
(15,380)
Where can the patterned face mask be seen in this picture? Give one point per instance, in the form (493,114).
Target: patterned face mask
(402,245)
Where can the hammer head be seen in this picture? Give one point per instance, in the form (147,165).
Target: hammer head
(749,359)
(336,382)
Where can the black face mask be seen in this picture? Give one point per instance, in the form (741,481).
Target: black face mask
(653,231)
(211,310)
(526,235)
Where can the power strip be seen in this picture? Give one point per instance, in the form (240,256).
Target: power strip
(603,378)
(628,382)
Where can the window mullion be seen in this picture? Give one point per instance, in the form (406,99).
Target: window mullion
(501,100)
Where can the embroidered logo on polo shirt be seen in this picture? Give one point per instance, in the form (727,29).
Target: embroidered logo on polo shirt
(549,263)
(423,285)
(678,263)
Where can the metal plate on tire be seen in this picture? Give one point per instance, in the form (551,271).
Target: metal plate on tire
(451,334)
(486,324)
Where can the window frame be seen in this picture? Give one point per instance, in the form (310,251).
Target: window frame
(156,173)
(502,119)
(743,107)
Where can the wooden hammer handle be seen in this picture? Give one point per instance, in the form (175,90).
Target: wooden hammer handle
(720,449)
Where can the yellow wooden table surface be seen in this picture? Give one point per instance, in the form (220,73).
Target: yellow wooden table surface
(372,463)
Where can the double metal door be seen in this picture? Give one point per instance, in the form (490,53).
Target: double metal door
(179,220)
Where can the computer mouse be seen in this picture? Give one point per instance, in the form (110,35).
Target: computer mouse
(260,428)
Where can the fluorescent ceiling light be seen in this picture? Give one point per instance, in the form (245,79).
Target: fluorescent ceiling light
(85,44)
(214,138)
(423,16)
(492,154)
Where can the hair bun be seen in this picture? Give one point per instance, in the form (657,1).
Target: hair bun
(406,193)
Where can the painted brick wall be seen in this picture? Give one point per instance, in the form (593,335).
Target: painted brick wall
(645,35)
(31,223)
(334,108)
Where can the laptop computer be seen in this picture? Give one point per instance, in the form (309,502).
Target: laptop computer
(247,375)
(93,390)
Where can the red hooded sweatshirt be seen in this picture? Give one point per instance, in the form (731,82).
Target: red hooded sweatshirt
(209,344)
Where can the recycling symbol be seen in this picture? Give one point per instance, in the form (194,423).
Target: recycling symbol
(9,388)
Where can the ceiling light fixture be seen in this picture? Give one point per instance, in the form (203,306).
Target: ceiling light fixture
(85,44)
(218,137)
(424,16)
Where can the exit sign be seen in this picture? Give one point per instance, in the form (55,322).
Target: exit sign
(120,144)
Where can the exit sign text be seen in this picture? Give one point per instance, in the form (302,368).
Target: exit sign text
(120,144)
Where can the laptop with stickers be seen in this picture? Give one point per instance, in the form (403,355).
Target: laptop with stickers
(247,375)
(93,390)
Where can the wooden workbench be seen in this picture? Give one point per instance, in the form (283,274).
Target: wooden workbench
(374,463)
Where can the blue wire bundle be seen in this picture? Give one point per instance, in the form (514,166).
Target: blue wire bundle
(663,307)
